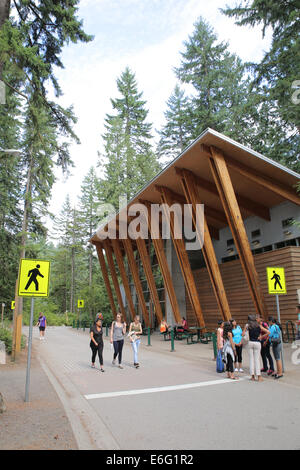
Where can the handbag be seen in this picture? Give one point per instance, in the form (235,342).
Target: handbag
(219,362)
(245,339)
(132,336)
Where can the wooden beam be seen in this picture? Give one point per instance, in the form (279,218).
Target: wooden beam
(191,192)
(162,261)
(119,258)
(110,261)
(136,279)
(269,183)
(106,278)
(142,249)
(223,182)
(245,203)
(182,256)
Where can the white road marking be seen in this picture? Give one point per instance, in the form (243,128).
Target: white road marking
(169,388)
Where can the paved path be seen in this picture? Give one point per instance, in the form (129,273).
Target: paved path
(174,401)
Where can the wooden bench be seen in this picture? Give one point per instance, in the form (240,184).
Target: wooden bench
(166,335)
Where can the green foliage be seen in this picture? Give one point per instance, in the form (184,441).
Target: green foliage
(6,337)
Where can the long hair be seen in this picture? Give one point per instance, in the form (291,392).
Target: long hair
(252,322)
(227,329)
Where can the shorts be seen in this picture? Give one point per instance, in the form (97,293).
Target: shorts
(277,348)
(42,328)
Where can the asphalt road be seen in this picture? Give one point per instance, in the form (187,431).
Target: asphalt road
(174,401)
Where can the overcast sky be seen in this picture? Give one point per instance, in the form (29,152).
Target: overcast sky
(147,36)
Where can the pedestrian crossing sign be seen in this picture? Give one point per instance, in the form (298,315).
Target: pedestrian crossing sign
(34,276)
(80,303)
(276,280)
(13,305)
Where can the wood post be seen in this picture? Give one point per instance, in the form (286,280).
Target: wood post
(106,278)
(182,256)
(118,255)
(141,246)
(136,279)
(163,263)
(191,192)
(110,261)
(227,195)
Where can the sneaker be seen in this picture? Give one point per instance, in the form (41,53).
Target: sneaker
(236,370)
(120,366)
(270,372)
(241,370)
(93,366)
(113,362)
(263,370)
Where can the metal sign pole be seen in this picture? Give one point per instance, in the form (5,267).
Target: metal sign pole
(278,318)
(29,351)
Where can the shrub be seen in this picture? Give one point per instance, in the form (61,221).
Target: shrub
(6,337)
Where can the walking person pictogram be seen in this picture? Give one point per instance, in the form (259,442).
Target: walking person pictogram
(33,273)
(276,277)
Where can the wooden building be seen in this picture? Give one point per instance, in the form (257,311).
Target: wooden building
(250,204)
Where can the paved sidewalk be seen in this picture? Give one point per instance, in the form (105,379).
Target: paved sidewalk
(40,424)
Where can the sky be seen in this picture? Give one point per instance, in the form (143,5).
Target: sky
(147,36)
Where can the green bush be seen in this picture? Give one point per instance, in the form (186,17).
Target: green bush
(6,337)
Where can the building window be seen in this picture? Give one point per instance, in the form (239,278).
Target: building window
(230,242)
(287,222)
(255,233)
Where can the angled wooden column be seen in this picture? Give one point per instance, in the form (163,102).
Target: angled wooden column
(162,261)
(110,261)
(227,195)
(142,249)
(106,278)
(182,256)
(136,279)
(118,255)
(191,192)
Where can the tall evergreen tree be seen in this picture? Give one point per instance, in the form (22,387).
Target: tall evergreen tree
(175,135)
(129,161)
(279,70)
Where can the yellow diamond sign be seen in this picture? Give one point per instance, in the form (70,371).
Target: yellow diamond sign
(34,276)
(276,280)
(80,303)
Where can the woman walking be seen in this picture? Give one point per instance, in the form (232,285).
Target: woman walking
(228,350)
(117,333)
(96,343)
(275,338)
(265,349)
(135,330)
(255,330)
(42,323)
(237,337)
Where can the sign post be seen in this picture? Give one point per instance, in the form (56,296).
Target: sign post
(33,282)
(277,285)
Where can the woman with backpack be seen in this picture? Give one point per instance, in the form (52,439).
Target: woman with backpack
(228,350)
(275,339)
(265,349)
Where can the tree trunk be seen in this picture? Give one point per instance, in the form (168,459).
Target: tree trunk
(4,15)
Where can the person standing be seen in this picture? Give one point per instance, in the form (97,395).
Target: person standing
(96,344)
(220,342)
(237,337)
(228,350)
(135,330)
(265,349)
(275,338)
(255,330)
(117,333)
(42,323)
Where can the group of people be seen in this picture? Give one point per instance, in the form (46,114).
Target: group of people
(117,335)
(180,327)
(259,336)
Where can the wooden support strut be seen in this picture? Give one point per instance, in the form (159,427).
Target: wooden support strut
(227,195)
(182,256)
(142,249)
(110,261)
(106,278)
(136,279)
(191,193)
(119,258)
(162,261)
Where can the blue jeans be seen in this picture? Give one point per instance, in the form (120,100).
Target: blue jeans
(135,347)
